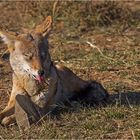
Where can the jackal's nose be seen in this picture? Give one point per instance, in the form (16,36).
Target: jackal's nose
(41,72)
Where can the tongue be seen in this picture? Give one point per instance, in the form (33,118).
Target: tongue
(40,78)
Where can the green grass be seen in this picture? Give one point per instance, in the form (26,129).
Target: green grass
(120,119)
(82,123)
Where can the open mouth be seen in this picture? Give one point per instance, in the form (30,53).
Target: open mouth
(39,78)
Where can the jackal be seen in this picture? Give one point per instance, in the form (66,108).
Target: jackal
(33,68)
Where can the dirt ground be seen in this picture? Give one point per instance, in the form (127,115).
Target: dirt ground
(118,69)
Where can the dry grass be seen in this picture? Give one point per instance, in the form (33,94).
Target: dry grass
(121,76)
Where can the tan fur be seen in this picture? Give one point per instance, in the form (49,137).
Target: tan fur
(28,55)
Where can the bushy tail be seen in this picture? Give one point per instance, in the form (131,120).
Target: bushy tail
(93,93)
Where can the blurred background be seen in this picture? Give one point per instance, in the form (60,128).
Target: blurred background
(80,15)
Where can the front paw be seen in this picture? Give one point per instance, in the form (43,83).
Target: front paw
(8,121)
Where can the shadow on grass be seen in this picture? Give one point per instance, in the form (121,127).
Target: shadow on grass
(126,98)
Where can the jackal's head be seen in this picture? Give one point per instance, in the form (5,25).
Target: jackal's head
(29,53)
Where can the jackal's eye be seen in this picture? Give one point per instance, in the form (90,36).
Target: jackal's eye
(28,56)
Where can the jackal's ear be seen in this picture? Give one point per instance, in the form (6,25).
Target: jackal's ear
(8,38)
(45,27)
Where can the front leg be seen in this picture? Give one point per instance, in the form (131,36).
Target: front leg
(8,113)
(9,109)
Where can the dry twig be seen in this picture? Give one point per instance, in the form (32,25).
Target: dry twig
(95,47)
